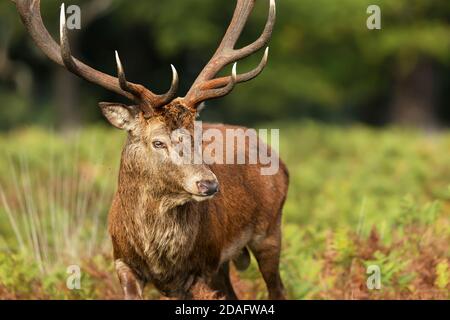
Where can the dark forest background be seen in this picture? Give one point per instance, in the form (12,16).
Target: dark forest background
(324,62)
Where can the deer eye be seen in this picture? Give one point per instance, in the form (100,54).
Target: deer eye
(158,144)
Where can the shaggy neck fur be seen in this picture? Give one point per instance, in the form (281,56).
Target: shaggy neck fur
(162,228)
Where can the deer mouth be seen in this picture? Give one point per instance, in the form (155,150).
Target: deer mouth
(202,197)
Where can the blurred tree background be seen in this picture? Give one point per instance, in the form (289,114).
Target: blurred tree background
(324,62)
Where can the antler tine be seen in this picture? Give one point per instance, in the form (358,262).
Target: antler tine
(66,54)
(217,93)
(170,95)
(124,84)
(219,82)
(263,39)
(156,101)
(205,84)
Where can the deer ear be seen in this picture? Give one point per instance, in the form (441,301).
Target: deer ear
(120,116)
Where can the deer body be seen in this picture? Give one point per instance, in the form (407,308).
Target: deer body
(173,245)
(169,223)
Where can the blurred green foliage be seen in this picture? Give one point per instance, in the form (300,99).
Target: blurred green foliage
(324,62)
(340,176)
(358,197)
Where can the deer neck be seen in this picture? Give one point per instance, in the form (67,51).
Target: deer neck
(163,227)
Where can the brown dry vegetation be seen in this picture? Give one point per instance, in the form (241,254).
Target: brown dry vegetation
(358,197)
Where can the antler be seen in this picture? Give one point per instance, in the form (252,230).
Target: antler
(205,86)
(30,14)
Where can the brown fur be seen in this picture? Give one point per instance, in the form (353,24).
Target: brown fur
(171,241)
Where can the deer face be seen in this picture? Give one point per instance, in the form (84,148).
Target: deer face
(150,146)
(157,152)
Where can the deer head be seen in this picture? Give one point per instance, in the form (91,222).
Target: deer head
(151,118)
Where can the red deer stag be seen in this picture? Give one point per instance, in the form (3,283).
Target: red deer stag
(169,224)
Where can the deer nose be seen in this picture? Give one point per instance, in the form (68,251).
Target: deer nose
(207,187)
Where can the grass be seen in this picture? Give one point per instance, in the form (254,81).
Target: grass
(358,197)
